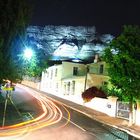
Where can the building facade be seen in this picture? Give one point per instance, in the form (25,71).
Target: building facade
(66,78)
(97,74)
(71,78)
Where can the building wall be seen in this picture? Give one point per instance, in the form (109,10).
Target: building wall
(137,119)
(96,80)
(73,86)
(32,84)
(60,78)
(51,78)
(95,68)
(107,106)
(67,69)
(97,76)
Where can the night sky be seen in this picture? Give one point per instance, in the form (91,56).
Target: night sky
(108,16)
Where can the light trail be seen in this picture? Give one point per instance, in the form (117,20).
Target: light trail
(51,114)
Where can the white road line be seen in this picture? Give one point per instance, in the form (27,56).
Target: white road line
(81,128)
(75,124)
(19,113)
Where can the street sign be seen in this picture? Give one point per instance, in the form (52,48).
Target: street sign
(7,89)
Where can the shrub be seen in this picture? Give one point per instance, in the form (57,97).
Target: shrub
(92,92)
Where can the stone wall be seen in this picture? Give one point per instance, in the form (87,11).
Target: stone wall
(32,84)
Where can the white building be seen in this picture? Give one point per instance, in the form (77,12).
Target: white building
(72,78)
(65,78)
(97,74)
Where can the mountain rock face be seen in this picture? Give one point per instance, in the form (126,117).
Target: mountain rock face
(67,42)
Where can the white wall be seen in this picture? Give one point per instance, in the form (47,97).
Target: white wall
(67,69)
(107,106)
(98,104)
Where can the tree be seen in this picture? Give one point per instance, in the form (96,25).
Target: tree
(14,15)
(37,63)
(123,57)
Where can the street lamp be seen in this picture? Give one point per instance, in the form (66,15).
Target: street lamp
(86,76)
(28,53)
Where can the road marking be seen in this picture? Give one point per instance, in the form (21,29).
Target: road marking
(82,128)
(75,124)
(19,113)
(30,115)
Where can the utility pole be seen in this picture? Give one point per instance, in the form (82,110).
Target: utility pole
(87,70)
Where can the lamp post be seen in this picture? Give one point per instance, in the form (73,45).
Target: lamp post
(28,53)
(87,70)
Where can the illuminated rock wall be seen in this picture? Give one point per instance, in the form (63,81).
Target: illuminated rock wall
(84,41)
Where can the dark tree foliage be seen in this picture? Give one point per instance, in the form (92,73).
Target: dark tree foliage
(14,18)
(123,57)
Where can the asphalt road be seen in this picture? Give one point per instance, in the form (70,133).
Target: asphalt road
(44,119)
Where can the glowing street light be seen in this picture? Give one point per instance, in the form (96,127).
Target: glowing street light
(28,53)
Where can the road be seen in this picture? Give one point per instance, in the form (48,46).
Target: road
(45,119)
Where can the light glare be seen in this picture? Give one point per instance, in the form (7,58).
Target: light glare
(28,53)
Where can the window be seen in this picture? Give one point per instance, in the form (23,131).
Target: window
(101,69)
(56,87)
(104,83)
(73,87)
(68,87)
(75,70)
(55,72)
(65,88)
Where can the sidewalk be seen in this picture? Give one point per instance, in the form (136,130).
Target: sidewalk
(77,104)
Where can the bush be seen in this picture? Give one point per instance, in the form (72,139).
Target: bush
(92,92)
(112,91)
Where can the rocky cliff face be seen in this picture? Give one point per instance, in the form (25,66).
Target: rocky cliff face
(66,42)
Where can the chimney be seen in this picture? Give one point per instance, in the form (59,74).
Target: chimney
(96,59)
